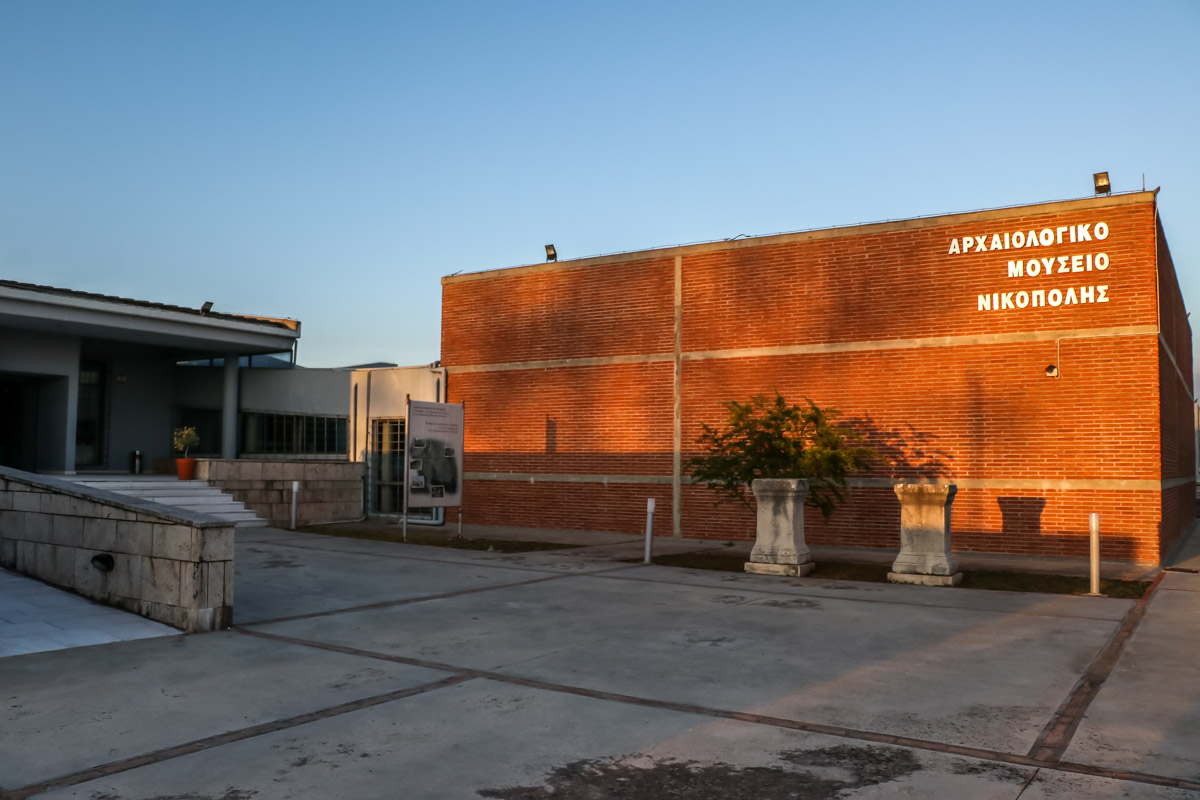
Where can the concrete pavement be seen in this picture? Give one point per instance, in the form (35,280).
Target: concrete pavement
(365,669)
(35,617)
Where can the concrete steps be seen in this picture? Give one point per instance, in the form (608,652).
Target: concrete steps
(195,496)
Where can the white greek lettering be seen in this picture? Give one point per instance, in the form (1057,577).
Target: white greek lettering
(1054,298)
(1037,298)
(980,246)
(1071,299)
(1006,300)
(1076,263)
(1047,237)
(1101,261)
(1101,294)
(1018,239)
(995,243)
(985,302)
(1062,264)
(1101,230)
(1084,235)
(1022,299)
(1016,269)
(1087,294)
(1059,232)
(954,248)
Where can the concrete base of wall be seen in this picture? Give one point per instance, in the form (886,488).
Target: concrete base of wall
(329,491)
(167,565)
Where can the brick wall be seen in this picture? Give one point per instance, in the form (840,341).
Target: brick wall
(568,374)
(168,565)
(329,491)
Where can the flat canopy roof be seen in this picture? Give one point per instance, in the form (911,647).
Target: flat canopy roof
(188,331)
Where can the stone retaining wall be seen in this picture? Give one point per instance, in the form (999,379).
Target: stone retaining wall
(169,565)
(329,491)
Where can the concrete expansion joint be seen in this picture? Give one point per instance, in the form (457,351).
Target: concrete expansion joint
(1056,737)
(468,673)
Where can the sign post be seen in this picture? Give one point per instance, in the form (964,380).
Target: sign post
(433,456)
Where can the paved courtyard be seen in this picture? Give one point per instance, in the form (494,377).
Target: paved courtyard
(361,669)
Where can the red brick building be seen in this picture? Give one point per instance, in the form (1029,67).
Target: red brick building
(586,381)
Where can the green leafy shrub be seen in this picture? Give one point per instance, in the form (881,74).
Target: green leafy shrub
(772,439)
(185,439)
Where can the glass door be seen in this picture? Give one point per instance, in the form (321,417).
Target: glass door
(90,420)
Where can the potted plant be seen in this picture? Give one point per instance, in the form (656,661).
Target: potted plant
(185,439)
(789,456)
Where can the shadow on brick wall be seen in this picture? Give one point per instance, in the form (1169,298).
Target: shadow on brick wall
(1021,515)
(905,453)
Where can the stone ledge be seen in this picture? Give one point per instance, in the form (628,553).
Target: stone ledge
(925,580)
(790,570)
(59,486)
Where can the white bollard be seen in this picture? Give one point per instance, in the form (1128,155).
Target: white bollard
(295,491)
(649,526)
(1094,531)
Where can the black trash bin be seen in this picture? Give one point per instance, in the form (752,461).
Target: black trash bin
(135,462)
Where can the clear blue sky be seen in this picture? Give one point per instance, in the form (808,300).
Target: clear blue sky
(331,161)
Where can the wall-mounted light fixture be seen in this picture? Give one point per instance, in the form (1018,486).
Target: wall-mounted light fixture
(1052,371)
(207,307)
(551,254)
(1100,179)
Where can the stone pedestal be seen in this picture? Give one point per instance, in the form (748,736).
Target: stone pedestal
(925,556)
(779,547)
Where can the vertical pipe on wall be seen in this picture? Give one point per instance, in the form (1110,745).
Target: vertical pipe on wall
(677,409)
(404,472)
(368,455)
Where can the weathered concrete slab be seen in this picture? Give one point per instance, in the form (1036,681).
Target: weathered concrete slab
(568,746)
(977,678)
(1015,602)
(267,718)
(308,574)
(1146,718)
(372,753)
(72,709)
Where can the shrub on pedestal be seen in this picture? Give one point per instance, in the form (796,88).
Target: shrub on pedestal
(771,440)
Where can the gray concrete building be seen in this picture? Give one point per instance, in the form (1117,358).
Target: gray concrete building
(87,379)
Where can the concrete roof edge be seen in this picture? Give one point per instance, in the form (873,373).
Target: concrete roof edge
(53,295)
(856,229)
(287,329)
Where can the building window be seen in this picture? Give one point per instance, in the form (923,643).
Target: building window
(292,434)
(207,422)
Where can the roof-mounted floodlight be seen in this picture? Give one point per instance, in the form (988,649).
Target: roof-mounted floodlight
(207,307)
(1100,179)
(551,254)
